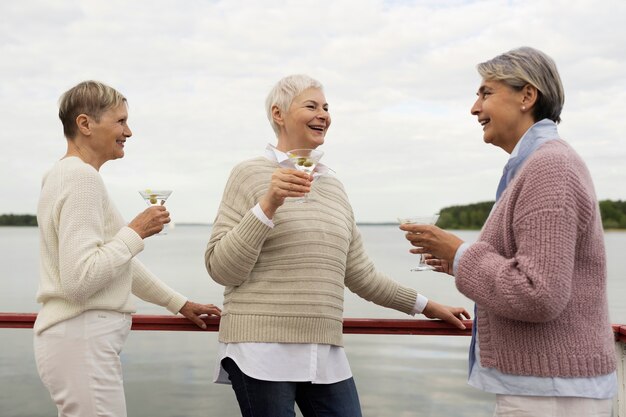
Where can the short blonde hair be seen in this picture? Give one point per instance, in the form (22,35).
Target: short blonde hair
(285,91)
(92,98)
(526,65)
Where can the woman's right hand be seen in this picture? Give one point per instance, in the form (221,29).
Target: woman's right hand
(440,265)
(150,221)
(285,182)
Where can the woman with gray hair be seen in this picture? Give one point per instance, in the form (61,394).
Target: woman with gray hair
(541,337)
(285,265)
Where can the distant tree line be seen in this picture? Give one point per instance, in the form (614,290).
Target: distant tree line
(473,216)
(613,214)
(470,216)
(18,220)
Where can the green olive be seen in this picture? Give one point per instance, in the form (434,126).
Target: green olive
(308,164)
(301,161)
(153,199)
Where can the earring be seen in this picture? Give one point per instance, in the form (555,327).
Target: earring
(523,107)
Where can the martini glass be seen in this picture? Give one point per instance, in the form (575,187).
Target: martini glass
(156,198)
(304,160)
(432,219)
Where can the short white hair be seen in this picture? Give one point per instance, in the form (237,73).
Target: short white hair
(285,91)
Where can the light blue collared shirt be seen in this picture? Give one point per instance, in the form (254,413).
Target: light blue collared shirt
(490,379)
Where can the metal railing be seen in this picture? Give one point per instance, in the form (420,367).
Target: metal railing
(350,326)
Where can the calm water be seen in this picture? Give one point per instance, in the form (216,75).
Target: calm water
(168,374)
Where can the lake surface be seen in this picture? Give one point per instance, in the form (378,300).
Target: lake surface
(168,374)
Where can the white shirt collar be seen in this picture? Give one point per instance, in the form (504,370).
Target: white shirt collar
(282,159)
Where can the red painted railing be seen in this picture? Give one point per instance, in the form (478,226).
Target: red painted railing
(350,326)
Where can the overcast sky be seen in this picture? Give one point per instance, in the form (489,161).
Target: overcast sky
(399,77)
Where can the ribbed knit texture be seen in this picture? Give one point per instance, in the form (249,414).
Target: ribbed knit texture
(86,251)
(538,273)
(286,284)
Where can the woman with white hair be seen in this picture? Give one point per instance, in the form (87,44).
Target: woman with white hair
(285,265)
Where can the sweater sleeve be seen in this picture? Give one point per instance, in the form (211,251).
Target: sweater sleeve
(534,283)
(363,279)
(86,263)
(237,235)
(149,288)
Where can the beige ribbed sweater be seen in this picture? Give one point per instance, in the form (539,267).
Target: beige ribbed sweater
(286,284)
(86,251)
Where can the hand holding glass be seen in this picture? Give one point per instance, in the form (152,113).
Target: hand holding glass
(422,266)
(305,160)
(156,198)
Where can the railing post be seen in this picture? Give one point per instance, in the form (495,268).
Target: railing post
(619,403)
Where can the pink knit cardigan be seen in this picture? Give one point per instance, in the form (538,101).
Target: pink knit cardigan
(538,273)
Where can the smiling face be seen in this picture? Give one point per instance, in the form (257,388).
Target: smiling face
(108,135)
(502,113)
(305,123)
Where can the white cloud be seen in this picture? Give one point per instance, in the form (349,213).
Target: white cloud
(399,76)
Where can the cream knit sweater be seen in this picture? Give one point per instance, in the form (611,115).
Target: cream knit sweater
(286,284)
(86,251)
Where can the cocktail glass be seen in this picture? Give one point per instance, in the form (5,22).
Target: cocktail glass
(156,198)
(305,160)
(432,219)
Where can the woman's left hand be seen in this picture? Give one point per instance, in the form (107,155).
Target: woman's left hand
(452,315)
(193,311)
(433,240)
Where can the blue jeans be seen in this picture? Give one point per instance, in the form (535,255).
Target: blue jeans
(259,398)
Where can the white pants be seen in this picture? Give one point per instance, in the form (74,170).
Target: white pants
(527,406)
(78,361)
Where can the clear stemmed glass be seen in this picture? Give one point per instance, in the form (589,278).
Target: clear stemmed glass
(305,160)
(432,219)
(156,198)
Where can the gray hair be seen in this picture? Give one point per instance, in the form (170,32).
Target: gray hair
(285,91)
(526,65)
(92,98)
